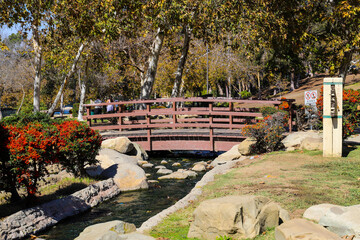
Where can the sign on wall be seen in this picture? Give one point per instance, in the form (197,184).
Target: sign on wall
(311,97)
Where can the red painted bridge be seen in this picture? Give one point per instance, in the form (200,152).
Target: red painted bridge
(188,124)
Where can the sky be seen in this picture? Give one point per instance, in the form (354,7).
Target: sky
(5,31)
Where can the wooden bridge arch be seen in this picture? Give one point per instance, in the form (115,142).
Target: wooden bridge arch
(203,124)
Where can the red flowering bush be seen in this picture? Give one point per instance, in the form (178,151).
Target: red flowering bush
(268,133)
(78,146)
(351,113)
(27,147)
(32,148)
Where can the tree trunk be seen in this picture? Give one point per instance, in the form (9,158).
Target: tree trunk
(345,65)
(70,73)
(82,92)
(62,104)
(292,80)
(37,63)
(259,84)
(180,69)
(146,88)
(22,99)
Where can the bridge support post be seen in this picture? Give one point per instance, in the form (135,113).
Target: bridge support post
(231,109)
(120,117)
(174,115)
(88,112)
(148,122)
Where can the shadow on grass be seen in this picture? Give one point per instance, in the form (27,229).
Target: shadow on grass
(349,148)
(10,208)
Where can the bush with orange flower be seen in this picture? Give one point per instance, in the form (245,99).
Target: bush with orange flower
(28,145)
(351,111)
(267,133)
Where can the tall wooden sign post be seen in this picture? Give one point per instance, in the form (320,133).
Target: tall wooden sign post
(332,117)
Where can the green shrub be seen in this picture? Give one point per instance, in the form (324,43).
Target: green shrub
(266,111)
(268,133)
(75,109)
(245,94)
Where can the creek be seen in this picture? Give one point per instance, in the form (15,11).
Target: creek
(133,207)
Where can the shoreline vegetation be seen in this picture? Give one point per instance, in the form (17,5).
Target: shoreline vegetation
(296,180)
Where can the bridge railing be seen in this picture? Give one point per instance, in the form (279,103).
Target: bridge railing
(181,113)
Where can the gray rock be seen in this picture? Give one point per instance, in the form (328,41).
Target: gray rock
(234,216)
(163,162)
(163,171)
(106,230)
(304,230)
(311,143)
(153,181)
(127,177)
(142,162)
(294,139)
(316,212)
(343,221)
(120,144)
(176,164)
(245,146)
(36,219)
(230,155)
(160,166)
(180,174)
(199,168)
(148,165)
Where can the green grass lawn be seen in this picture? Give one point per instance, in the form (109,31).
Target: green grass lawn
(295,180)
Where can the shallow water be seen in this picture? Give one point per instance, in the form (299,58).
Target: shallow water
(133,207)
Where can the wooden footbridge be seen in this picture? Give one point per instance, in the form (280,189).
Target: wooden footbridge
(203,124)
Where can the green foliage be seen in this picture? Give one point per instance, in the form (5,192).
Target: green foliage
(266,111)
(268,133)
(29,143)
(245,94)
(224,238)
(75,109)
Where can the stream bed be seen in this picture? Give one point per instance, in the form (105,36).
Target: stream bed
(133,207)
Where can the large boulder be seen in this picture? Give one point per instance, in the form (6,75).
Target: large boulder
(343,221)
(316,212)
(199,167)
(179,174)
(113,230)
(107,158)
(244,147)
(100,230)
(294,139)
(311,143)
(120,144)
(228,156)
(127,177)
(303,229)
(235,216)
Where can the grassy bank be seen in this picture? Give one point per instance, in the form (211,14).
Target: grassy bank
(296,180)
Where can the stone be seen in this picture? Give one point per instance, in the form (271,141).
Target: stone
(342,220)
(127,177)
(120,144)
(180,174)
(228,156)
(142,162)
(234,216)
(303,229)
(147,174)
(311,143)
(36,219)
(102,231)
(245,146)
(163,162)
(176,164)
(107,158)
(163,171)
(153,181)
(199,168)
(148,165)
(139,152)
(316,212)
(160,166)
(294,139)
